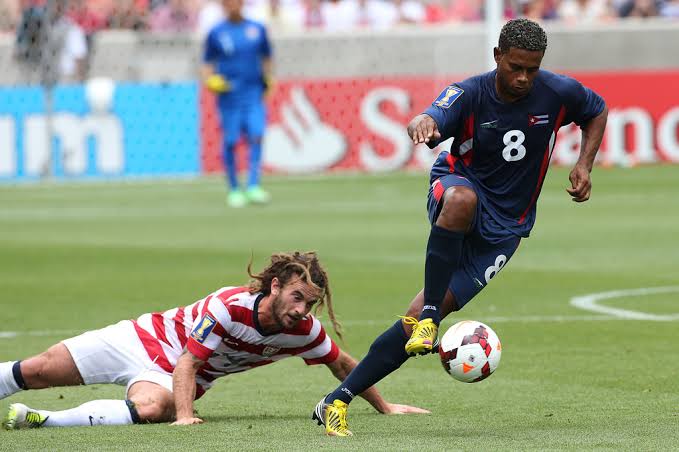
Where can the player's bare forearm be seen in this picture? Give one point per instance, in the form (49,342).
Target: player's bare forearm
(592,134)
(184,384)
(342,367)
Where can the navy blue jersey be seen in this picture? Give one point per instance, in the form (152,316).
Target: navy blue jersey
(236,50)
(504,148)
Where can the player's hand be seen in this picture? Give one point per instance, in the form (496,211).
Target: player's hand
(395,408)
(217,84)
(188,421)
(581,184)
(423,129)
(269,83)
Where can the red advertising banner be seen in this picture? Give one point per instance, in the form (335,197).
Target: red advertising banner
(359,124)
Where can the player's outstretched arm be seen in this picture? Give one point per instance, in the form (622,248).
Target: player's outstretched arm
(184,388)
(341,368)
(592,134)
(423,129)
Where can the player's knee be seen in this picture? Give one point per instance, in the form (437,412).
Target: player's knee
(35,371)
(459,204)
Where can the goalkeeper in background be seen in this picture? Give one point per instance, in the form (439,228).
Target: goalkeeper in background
(237,68)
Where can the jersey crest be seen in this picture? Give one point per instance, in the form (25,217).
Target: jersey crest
(448,96)
(202,331)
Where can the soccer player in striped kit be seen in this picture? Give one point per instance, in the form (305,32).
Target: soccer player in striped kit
(168,359)
(483,192)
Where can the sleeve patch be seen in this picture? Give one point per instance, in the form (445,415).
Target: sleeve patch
(204,328)
(448,96)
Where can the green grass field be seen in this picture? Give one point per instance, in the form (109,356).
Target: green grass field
(78,257)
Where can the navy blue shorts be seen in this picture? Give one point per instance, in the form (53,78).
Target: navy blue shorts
(486,249)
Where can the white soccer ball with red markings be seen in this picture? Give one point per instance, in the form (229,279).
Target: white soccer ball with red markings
(470,351)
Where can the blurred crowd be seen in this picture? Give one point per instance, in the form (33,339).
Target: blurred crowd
(197,16)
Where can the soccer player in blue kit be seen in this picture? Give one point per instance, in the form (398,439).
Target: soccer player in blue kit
(237,67)
(483,192)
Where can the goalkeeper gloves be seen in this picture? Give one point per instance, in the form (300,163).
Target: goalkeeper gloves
(217,84)
(268,82)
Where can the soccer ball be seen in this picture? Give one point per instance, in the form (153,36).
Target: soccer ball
(470,351)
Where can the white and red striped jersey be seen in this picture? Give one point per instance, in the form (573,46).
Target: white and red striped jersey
(223,330)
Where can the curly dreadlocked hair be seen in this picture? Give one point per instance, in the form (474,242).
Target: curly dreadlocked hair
(522,34)
(285,266)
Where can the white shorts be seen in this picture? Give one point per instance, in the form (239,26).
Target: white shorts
(115,354)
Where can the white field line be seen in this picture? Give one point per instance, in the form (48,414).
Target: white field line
(589,303)
(586,302)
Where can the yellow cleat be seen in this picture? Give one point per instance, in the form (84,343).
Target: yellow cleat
(333,416)
(20,416)
(423,339)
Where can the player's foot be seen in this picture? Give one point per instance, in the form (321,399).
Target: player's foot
(256,195)
(20,416)
(236,199)
(333,416)
(424,337)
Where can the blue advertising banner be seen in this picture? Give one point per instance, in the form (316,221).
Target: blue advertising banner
(126,130)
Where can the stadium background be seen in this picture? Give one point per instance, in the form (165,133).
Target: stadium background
(123,212)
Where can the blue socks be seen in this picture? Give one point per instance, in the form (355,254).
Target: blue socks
(230,165)
(255,161)
(386,355)
(444,252)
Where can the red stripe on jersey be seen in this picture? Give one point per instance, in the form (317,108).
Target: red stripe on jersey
(179,326)
(327,359)
(241,314)
(544,165)
(303,327)
(224,296)
(194,311)
(466,135)
(451,162)
(205,305)
(438,190)
(297,350)
(198,350)
(159,327)
(153,348)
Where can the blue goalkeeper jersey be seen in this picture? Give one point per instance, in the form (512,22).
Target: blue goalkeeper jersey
(504,148)
(236,50)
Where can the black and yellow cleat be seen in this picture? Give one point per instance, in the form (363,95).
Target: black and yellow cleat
(424,338)
(20,416)
(333,416)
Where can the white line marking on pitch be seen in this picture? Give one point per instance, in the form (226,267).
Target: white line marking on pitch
(589,303)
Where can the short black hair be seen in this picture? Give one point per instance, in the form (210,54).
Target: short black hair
(522,34)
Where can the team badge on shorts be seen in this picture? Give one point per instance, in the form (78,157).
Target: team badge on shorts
(204,328)
(448,96)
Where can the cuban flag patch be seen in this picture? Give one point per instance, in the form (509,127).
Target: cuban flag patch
(448,96)
(204,328)
(537,120)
